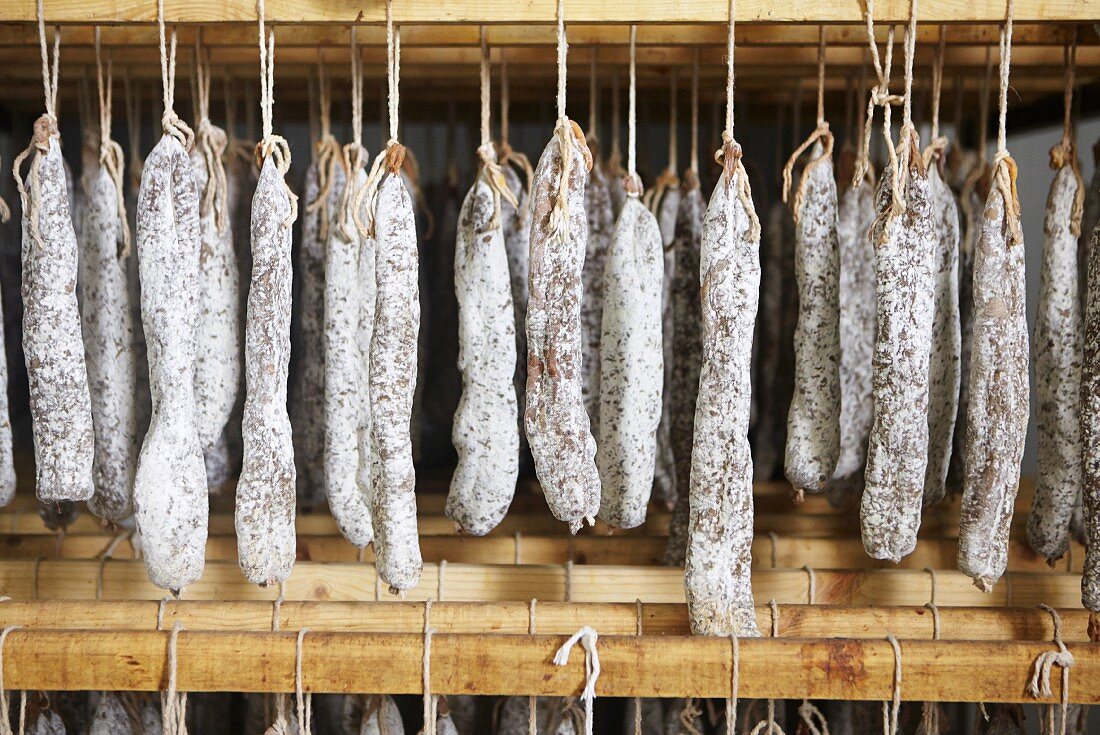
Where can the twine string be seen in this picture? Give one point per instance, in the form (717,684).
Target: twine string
(110,152)
(170,121)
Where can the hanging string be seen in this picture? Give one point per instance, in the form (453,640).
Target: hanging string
(170,121)
(271,145)
(304,699)
(45,129)
(532,702)
(891,709)
(1004,168)
(821,133)
(593,100)
(633,183)
(354,155)
(673,161)
(693,160)
(1039,686)
(587,637)
(326,149)
(494,175)
(211,143)
(173,705)
(910,48)
(393,47)
(1065,152)
(508,156)
(429,700)
(938,144)
(735,684)
(615,157)
(133,130)
(563,51)
(729,155)
(110,152)
(880,96)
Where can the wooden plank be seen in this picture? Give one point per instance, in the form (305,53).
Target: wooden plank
(647,666)
(127,580)
(580,35)
(529,11)
(778,551)
(557,618)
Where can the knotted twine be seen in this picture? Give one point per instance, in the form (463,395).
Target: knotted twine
(45,129)
(353,155)
(270,144)
(110,152)
(729,156)
(1065,152)
(326,150)
(169,120)
(211,142)
(880,96)
(1039,686)
(490,169)
(587,637)
(820,133)
(1004,168)
(934,152)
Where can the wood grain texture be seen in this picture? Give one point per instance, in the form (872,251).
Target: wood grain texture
(665,666)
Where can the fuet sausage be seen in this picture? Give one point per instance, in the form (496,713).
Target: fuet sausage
(631,366)
(897,448)
(170,494)
(998,410)
(719,551)
(61,414)
(557,425)
(485,433)
(1058,366)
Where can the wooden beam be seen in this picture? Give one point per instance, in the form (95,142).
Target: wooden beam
(778,551)
(647,666)
(127,580)
(556,618)
(492,12)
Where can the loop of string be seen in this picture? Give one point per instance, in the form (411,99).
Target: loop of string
(274,146)
(326,149)
(587,637)
(930,711)
(211,142)
(45,129)
(430,703)
(169,120)
(890,709)
(1065,152)
(110,152)
(880,96)
(768,725)
(1004,167)
(494,174)
(173,705)
(5,701)
(729,155)
(1039,686)
(821,133)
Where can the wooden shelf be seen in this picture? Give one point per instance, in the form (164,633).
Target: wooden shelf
(780,551)
(647,666)
(492,12)
(557,618)
(127,580)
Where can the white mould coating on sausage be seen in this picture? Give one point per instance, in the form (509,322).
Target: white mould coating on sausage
(307,409)
(393,350)
(516,224)
(381,717)
(264,516)
(998,411)
(897,449)
(110,716)
(1057,377)
(485,432)
(943,361)
(631,367)
(216,459)
(218,362)
(664,476)
(813,423)
(345,386)
(1090,430)
(557,425)
(170,493)
(857,328)
(367,290)
(108,344)
(48,722)
(719,552)
(601,227)
(61,413)
(687,358)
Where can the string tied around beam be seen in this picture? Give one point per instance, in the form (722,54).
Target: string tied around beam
(211,142)
(1065,152)
(1004,167)
(326,151)
(45,130)
(730,156)
(1039,685)
(490,169)
(587,637)
(110,152)
(271,145)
